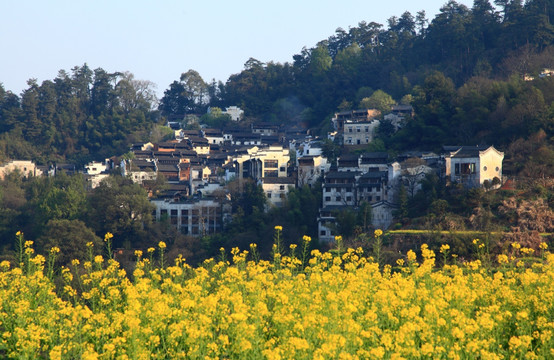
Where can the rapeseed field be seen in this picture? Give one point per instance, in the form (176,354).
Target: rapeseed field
(299,305)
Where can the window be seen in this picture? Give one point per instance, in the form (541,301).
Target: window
(350,130)
(270,164)
(337,198)
(323,232)
(484,168)
(367,129)
(378,198)
(327,189)
(327,198)
(281,187)
(358,129)
(349,198)
(269,195)
(497,168)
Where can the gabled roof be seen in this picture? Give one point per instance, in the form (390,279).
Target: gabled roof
(470,151)
(342,174)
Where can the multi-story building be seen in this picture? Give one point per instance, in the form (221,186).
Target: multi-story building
(257,163)
(359,133)
(196,217)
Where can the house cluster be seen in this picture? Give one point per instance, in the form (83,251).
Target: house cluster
(374,179)
(197,166)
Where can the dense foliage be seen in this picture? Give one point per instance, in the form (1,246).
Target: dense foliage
(78,117)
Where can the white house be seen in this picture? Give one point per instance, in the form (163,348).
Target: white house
(236,113)
(359,133)
(25,167)
(276,189)
(311,169)
(473,165)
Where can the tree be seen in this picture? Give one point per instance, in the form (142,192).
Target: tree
(413,171)
(175,103)
(71,237)
(379,100)
(195,89)
(135,94)
(346,220)
(121,207)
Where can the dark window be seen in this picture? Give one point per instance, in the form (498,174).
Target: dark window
(270,163)
(327,198)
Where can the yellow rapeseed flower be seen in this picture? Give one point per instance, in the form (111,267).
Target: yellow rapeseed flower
(400,262)
(162,245)
(378,233)
(278,228)
(502,259)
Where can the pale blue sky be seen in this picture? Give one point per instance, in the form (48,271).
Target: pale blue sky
(159,40)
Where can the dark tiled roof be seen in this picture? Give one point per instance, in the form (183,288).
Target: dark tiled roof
(278,180)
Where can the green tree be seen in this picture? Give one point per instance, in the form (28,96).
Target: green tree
(121,207)
(71,237)
(379,100)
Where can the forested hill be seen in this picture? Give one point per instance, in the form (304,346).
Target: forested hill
(462,71)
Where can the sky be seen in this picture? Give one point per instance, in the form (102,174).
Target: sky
(159,40)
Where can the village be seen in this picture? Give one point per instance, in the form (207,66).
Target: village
(198,165)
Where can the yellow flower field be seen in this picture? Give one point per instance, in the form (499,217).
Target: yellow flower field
(339,305)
